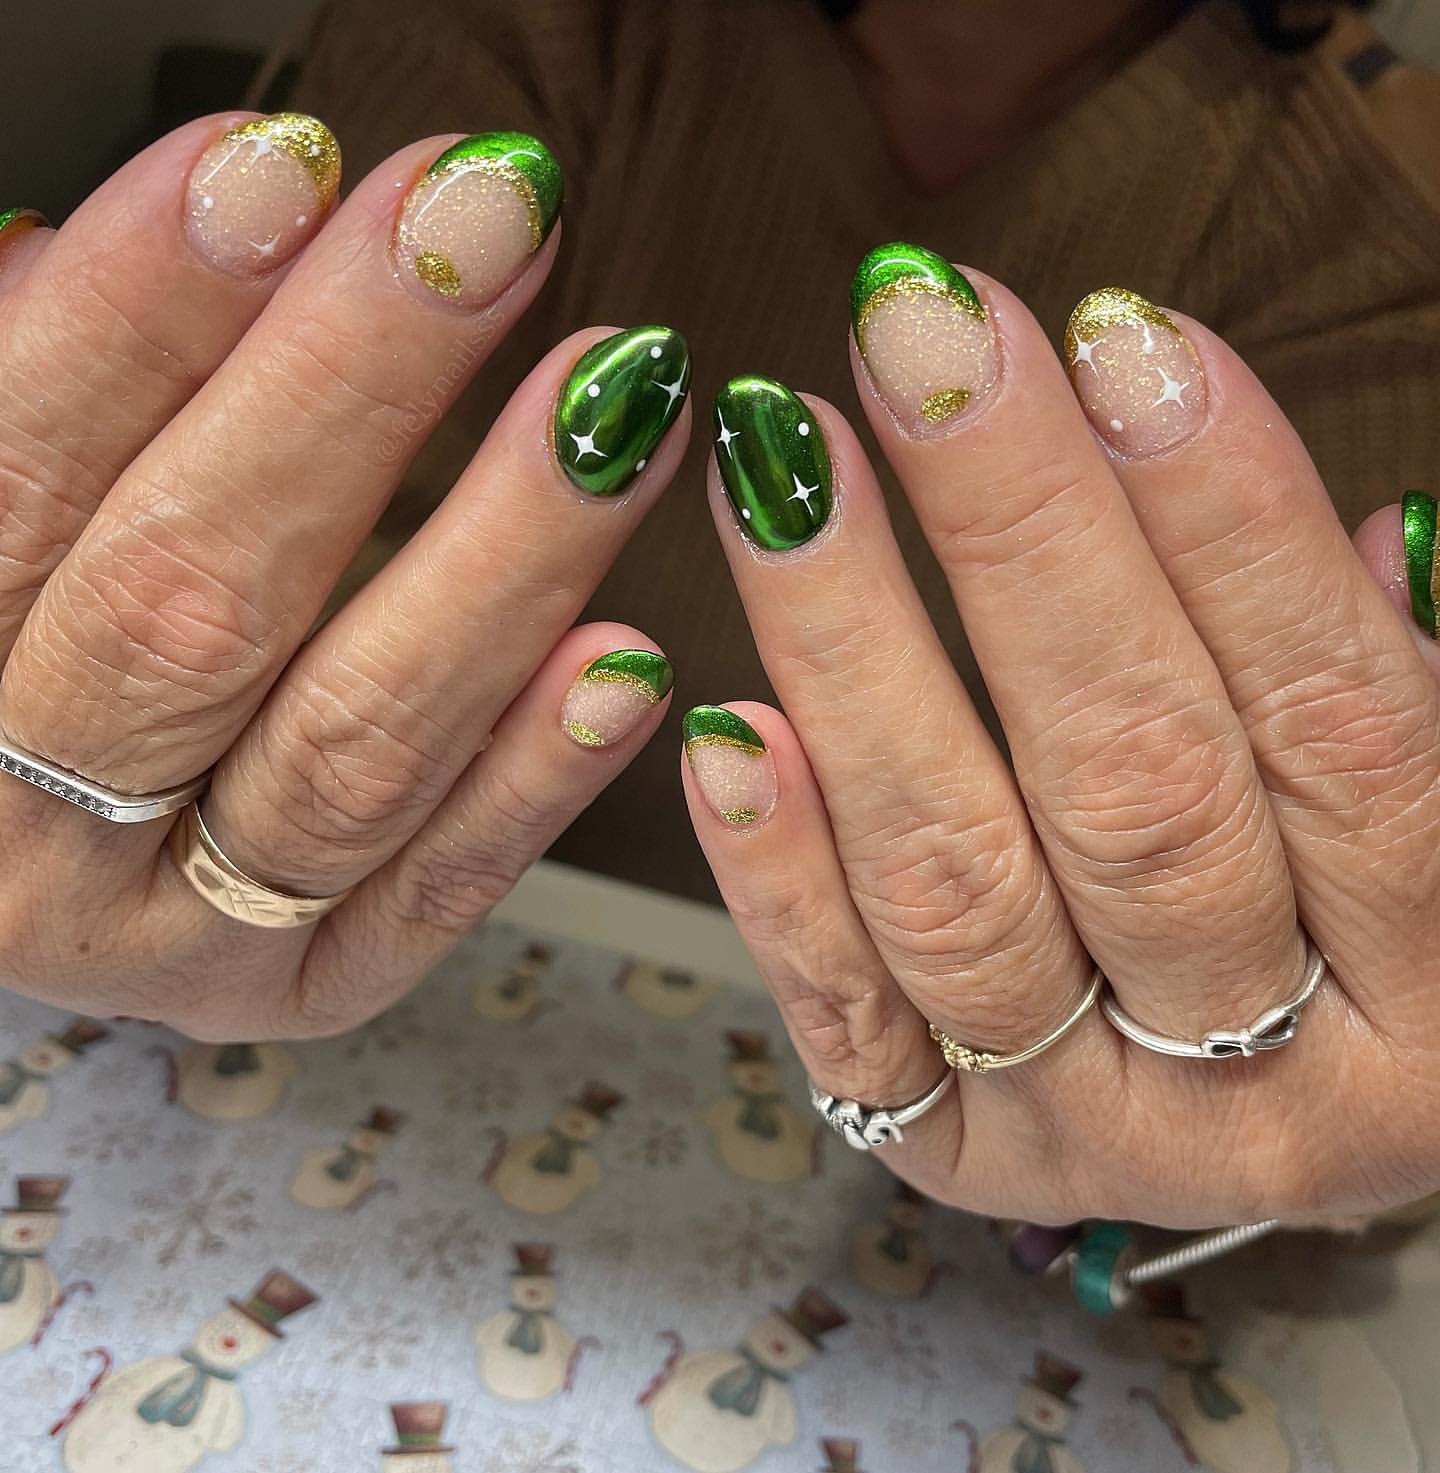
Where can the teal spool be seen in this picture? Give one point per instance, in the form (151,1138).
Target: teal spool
(1095,1273)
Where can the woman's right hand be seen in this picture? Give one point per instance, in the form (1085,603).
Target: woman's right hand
(209,388)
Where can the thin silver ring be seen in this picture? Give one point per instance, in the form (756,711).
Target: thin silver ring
(105,802)
(1271,1030)
(866,1127)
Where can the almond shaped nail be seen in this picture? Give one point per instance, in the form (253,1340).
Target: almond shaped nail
(616,405)
(1418,516)
(923,332)
(1134,372)
(613,693)
(261,191)
(18,219)
(479,213)
(732,767)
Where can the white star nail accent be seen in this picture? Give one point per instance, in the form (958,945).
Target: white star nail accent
(803,493)
(261,145)
(1084,353)
(674,390)
(726,434)
(268,248)
(585,445)
(1172,390)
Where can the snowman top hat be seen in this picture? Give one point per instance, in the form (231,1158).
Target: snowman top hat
(533,1259)
(1055,1377)
(536,954)
(387,1122)
(814,1315)
(80,1034)
(276,1298)
(1164,1299)
(418,1427)
(748,1046)
(599,1100)
(37,1194)
(841,1455)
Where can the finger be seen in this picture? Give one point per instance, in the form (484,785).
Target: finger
(940,855)
(1405,567)
(1340,711)
(157,638)
(125,312)
(498,818)
(375,717)
(1135,768)
(24,235)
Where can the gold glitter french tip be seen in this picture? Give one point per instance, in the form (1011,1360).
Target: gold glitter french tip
(733,769)
(1134,372)
(478,214)
(923,332)
(260,192)
(613,694)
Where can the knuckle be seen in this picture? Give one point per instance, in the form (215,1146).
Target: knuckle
(448,886)
(1029,506)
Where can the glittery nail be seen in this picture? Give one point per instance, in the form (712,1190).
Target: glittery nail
(731,765)
(1422,559)
(483,207)
(620,398)
(260,192)
(613,693)
(1134,372)
(773,462)
(12,222)
(923,332)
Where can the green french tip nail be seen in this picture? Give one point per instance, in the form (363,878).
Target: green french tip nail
(616,405)
(900,269)
(651,674)
(1422,558)
(524,161)
(715,726)
(773,462)
(21,217)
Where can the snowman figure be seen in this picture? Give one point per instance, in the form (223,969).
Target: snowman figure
(667,992)
(233,1081)
(25,1079)
(524,1354)
(720,1410)
(1035,1442)
(758,1134)
(168,1413)
(892,1257)
(514,995)
(550,1171)
(29,1289)
(1231,1425)
(331,1178)
(419,1426)
(842,1455)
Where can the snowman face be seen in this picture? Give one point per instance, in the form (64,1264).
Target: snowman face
(907,1215)
(46,1058)
(372,1142)
(28,1232)
(755,1078)
(577,1124)
(231,1339)
(1180,1341)
(1043,1412)
(775,1342)
(533,1291)
(416,1463)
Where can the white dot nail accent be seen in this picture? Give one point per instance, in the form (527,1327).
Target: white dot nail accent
(804,429)
(641,464)
(208,201)
(593,391)
(1117,424)
(655,352)
(301,219)
(745,512)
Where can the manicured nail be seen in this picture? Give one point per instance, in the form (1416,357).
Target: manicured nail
(773,462)
(16,220)
(621,397)
(613,693)
(1422,559)
(924,334)
(260,192)
(482,209)
(735,772)
(1135,373)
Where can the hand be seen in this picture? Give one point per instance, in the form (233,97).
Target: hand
(1223,729)
(209,388)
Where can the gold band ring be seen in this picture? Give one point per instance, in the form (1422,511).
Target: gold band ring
(979,1061)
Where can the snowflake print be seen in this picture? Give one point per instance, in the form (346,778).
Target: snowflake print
(535,1452)
(667,1088)
(194,1214)
(655,1142)
(441,1245)
(162,1304)
(108,1137)
(751,1243)
(377,1335)
(302,1410)
(612,1244)
(905,1434)
(905,1350)
(492,1088)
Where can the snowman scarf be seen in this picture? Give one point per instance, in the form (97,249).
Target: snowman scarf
(343,1166)
(237,1058)
(738,1390)
(176,1400)
(1033,1455)
(556,1156)
(12,1274)
(528,1335)
(14,1076)
(760,1117)
(1212,1399)
(895,1245)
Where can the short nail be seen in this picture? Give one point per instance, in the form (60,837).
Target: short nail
(773,462)
(1422,558)
(728,757)
(260,192)
(620,398)
(613,693)
(482,209)
(18,219)
(1134,372)
(924,334)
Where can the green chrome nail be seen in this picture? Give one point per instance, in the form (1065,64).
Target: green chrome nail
(26,219)
(651,674)
(773,462)
(528,165)
(1422,558)
(615,407)
(900,269)
(715,726)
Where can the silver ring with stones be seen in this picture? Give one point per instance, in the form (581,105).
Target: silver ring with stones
(92,796)
(867,1127)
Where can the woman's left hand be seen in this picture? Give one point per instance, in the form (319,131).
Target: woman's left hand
(1225,735)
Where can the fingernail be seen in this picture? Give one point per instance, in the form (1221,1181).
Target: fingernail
(773,462)
(1422,559)
(621,397)
(18,219)
(260,192)
(482,209)
(1135,373)
(613,693)
(923,332)
(735,772)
